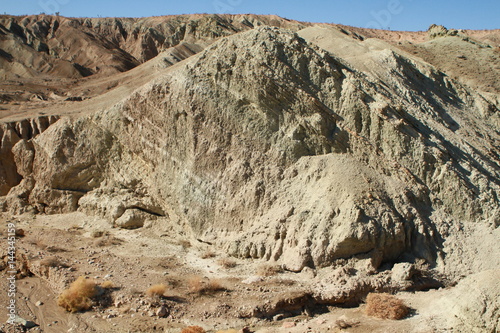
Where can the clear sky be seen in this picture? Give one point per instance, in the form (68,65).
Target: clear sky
(394,14)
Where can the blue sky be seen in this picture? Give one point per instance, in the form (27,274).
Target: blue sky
(394,14)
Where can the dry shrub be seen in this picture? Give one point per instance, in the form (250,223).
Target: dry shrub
(195,284)
(212,286)
(38,242)
(269,270)
(226,262)
(55,249)
(52,262)
(107,285)
(108,241)
(97,233)
(385,306)
(198,286)
(208,254)
(78,297)
(185,244)
(157,290)
(193,329)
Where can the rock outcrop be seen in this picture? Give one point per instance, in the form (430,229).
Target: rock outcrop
(274,148)
(74,48)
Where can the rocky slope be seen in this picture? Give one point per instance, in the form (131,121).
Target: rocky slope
(312,149)
(74,48)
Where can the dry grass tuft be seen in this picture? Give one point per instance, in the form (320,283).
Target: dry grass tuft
(98,233)
(185,244)
(208,254)
(269,270)
(78,297)
(157,290)
(55,249)
(52,262)
(107,285)
(196,285)
(193,329)
(227,262)
(385,306)
(108,241)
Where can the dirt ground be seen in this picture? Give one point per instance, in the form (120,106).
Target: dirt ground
(134,260)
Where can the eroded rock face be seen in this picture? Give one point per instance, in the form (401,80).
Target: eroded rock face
(74,48)
(272,148)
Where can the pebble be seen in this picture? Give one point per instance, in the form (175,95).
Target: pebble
(39,303)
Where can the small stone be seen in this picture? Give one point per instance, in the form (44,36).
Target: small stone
(26,323)
(288,324)
(162,311)
(39,303)
(278,317)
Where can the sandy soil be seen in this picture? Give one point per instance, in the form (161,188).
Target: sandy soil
(136,259)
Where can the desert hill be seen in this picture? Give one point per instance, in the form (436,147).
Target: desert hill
(353,160)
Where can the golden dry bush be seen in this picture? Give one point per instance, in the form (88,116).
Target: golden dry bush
(385,306)
(156,290)
(107,284)
(196,285)
(78,297)
(213,286)
(193,329)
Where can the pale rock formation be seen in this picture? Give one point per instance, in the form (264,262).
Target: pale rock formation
(271,147)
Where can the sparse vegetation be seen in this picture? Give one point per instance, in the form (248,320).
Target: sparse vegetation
(196,285)
(227,262)
(209,253)
(269,270)
(78,297)
(52,262)
(193,329)
(97,233)
(185,244)
(385,306)
(157,290)
(108,241)
(54,249)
